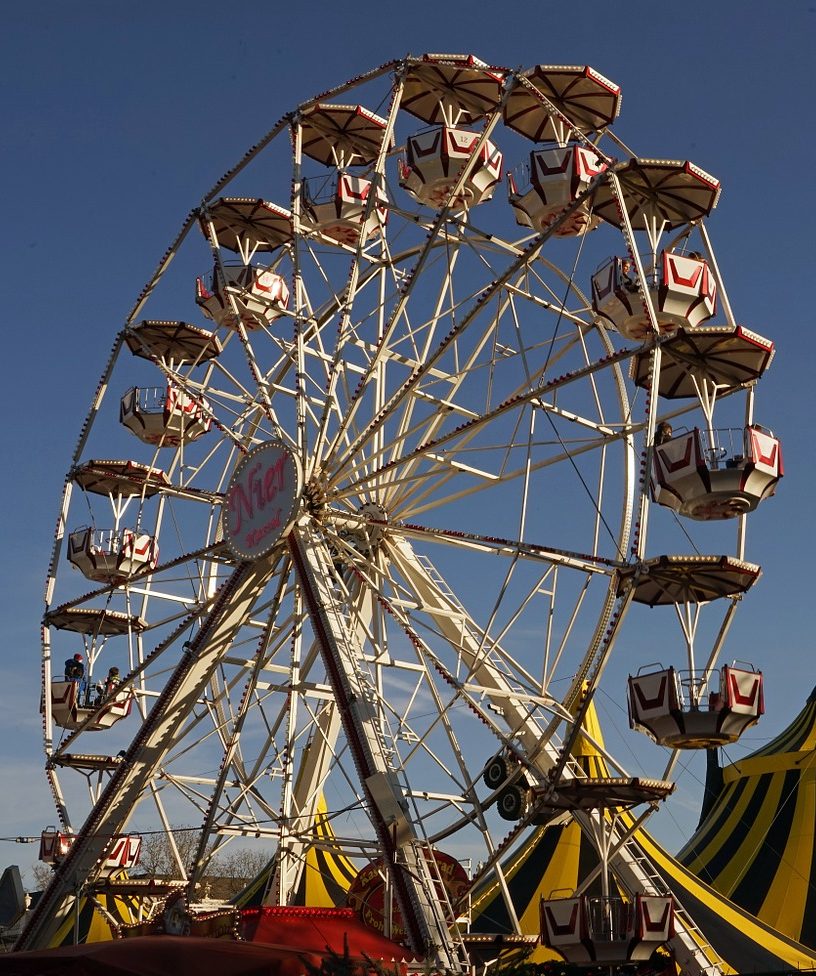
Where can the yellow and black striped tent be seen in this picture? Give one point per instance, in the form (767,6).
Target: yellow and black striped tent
(557,859)
(326,875)
(95,918)
(756,841)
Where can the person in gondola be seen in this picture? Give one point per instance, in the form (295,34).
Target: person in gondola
(112,681)
(75,668)
(663,433)
(628,274)
(103,689)
(75,671)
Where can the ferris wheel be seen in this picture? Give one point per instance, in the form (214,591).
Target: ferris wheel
(361,501)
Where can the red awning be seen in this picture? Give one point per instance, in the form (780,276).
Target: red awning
(157,955)
(319,930)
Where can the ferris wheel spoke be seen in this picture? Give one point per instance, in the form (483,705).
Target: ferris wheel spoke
(211,721)
(425,429)
(441,467)
(489,417)
(414,274)
(349,294)
(487,646)
(517,549)
(231,764)
(412,357)
(530,252)
(379,356)
(449,616)
(115,805)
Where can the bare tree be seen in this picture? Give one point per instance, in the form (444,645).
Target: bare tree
(158,859)
(227,873)
(42,874)
(235,867)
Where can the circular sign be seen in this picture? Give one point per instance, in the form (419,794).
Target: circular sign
(261,500)
(367,893)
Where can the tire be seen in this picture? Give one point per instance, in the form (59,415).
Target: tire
(495,773)
(511,803)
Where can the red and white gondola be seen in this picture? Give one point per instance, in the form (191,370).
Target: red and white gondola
(245,293)
(683,295)
(608,930)
(695,710)
(705,477)
(164,415)
(540,191)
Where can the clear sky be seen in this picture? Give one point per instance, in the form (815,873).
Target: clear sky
(117,117)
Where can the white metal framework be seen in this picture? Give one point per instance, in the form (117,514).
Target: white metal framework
(468,445)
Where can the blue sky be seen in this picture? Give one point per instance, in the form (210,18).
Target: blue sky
(118,117)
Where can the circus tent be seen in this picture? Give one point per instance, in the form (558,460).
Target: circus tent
(756,841)
(559,858)
(325,879)
(95,918)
